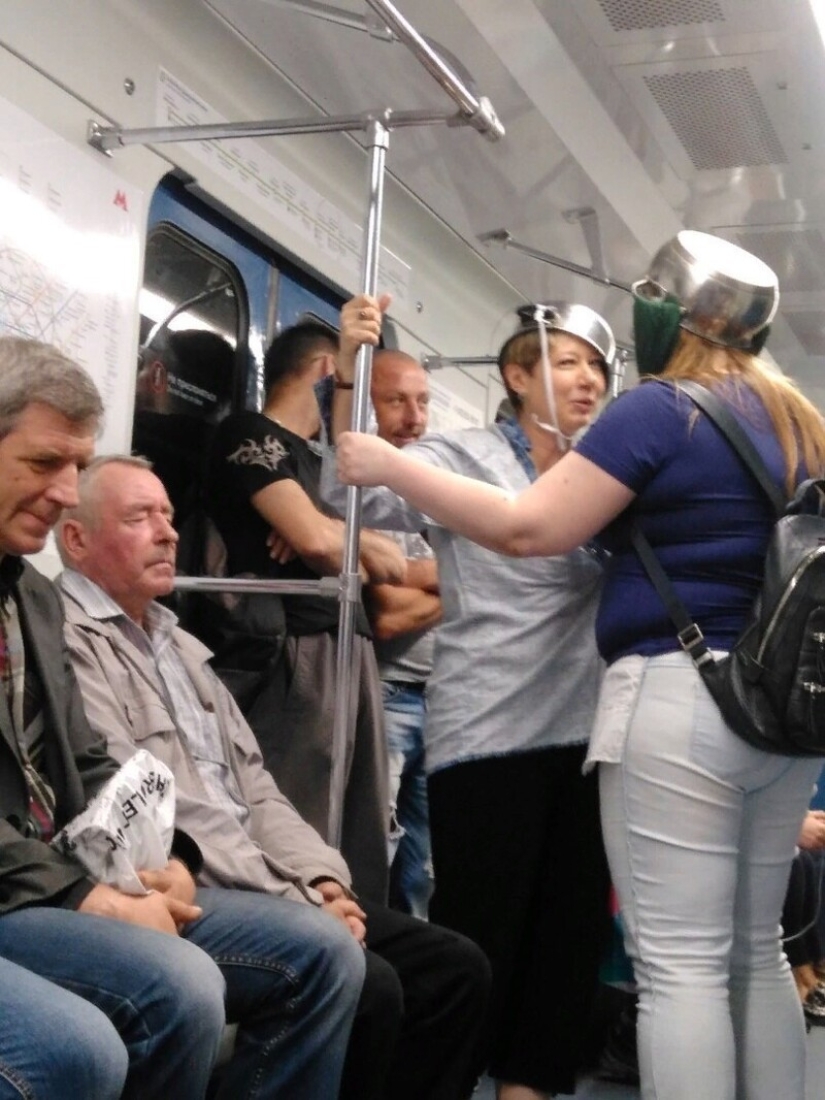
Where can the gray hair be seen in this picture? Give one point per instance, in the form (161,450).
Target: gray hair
(31,372)
(85,511)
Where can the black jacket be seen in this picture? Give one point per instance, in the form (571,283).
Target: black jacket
(76,761)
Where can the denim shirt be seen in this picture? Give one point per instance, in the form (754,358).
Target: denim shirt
(515,663)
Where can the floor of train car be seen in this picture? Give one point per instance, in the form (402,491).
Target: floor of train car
(591,1089)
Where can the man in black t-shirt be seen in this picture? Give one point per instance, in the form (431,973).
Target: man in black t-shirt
(263,497)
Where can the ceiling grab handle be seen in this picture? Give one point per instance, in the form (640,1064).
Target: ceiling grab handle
(438,362)
(342,18)
(477,109)
(502,237)
(378,139)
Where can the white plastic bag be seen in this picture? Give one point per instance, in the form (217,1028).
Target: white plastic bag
(127,827)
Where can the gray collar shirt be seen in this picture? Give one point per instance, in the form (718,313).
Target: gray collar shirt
(515,666)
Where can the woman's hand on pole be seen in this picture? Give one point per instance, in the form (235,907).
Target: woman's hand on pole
(365,459)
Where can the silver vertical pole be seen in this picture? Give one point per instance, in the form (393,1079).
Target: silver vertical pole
(378,139)
(618,373)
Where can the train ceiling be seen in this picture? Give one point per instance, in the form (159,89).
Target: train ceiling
(655,114)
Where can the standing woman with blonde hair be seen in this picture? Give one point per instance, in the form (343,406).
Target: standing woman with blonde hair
(699,826)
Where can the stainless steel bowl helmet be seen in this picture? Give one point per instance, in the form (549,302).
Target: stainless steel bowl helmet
(576,320)
(726,295)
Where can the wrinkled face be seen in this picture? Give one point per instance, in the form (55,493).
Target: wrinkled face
(39,463)
(401,397)
(578,383)
(129,548)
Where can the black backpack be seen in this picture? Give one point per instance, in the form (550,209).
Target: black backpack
(771,686)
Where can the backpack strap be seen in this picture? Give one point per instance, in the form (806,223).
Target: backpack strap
(691,638)
(688,632)
(738,438)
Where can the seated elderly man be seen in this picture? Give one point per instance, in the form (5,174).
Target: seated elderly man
(146,683)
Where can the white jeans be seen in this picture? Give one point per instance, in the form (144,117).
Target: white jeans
(700,831)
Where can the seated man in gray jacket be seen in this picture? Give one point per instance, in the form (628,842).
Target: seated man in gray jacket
(147,684)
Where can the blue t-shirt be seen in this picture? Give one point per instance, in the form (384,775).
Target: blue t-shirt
(703,513)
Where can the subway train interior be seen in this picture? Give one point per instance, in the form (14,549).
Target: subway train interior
(236,165)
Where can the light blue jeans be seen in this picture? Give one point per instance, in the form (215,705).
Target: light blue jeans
(162,996)
(700,831)
(411,865)
(53,1043)
(293,978)
(290,976)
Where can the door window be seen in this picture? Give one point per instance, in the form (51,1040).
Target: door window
(193,329)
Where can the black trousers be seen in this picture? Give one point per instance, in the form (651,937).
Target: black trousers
(520,869)
(417,1027)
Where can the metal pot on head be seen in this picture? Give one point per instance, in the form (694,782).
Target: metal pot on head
(727,295)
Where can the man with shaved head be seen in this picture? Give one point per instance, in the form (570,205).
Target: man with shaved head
(402,619)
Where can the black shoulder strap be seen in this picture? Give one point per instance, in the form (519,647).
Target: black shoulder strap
(733,431)
(690,636)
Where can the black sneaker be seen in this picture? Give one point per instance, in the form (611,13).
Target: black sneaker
(618,1060)
(814,1007)
(612,1067)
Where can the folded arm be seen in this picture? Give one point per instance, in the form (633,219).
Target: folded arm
(395,610)
(318,540)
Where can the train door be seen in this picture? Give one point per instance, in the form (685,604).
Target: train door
(211,299)
(300,299)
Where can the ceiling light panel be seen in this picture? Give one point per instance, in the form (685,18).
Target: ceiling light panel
(718,116)
(636,15)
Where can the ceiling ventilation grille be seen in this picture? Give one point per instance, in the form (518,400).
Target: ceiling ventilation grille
(718,117)
(796,255)
(637,15)
(809,329)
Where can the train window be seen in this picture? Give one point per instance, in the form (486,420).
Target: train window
(313,318)
(194,324)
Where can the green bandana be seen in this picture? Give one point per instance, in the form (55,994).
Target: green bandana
(758,342)
(655,331)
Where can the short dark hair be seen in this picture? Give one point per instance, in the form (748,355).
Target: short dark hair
(287,355)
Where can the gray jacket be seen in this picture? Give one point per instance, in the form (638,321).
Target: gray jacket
(275,851)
